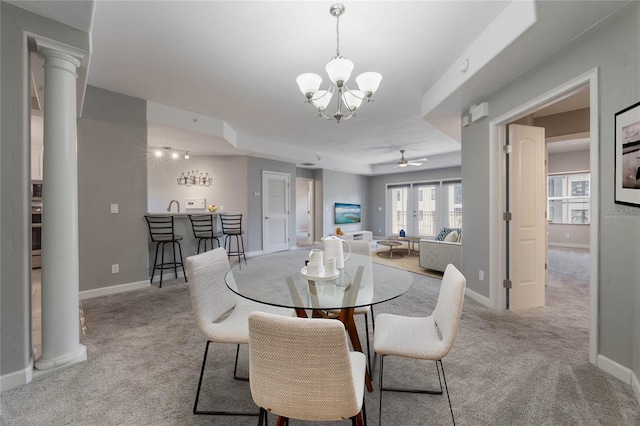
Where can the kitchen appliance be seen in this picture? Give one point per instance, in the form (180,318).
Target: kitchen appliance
(36,237)
(36,190)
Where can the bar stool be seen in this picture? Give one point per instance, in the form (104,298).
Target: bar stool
(161,231)
(204,230)
(232,227)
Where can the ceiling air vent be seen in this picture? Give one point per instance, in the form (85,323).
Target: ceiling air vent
(307,164)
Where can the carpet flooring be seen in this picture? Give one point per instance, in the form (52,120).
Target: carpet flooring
(505,368)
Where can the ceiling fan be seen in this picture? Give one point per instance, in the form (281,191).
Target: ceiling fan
(403,162)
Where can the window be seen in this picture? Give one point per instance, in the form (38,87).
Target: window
(569,198)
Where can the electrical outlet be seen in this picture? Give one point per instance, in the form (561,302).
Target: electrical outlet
(115,268)
(481,275)
(380,230)
(566,235)
(114,208)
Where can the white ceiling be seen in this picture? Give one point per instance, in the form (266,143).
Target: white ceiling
(237,62)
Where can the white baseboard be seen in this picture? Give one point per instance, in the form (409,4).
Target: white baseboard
(616,370)
(569,245)
(252,253)
(635,384)
(17,378)
(120,288)
(477,297)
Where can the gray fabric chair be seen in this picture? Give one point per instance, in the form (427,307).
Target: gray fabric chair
(423,338)
(211,299)
(301,368)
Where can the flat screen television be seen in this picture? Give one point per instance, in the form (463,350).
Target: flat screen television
(347,213)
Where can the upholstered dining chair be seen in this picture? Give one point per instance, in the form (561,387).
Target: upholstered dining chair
(301,368)
(211,300)
(423,338)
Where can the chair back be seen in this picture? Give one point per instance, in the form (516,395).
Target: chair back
(160,228)
(300,368)
(449,306)
(231,223)
(210,297)
(202,225)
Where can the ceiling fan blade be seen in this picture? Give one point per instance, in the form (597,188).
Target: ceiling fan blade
(412,163)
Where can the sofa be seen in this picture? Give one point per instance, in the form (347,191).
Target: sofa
(446,248)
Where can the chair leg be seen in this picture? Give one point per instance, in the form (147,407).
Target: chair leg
(430,392)
(175,264)
(161,265)
(235,367)
(182,263)
(210,412)
(155,262)
(282,421)
(243,254)
(366,330)
(447,389)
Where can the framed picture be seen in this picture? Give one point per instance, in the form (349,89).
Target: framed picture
(627,156)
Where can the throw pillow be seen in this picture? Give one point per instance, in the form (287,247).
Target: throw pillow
(452,237)
(444,232)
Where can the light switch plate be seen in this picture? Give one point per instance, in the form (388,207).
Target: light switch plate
(114,208)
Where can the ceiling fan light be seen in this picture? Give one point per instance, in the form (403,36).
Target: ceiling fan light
(339,70)
(353,99)
(309,83)
(321,99)
(402,165)
(369,81)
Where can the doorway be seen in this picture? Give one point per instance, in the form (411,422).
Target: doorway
(275,211)
(304,212)
(499,253)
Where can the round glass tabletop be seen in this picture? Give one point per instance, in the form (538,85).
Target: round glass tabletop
(277,279)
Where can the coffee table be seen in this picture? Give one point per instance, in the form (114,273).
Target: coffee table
(390,254)
(411,242)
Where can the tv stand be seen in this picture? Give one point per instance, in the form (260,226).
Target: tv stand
(356,235)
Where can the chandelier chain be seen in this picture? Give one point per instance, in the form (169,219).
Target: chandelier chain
(338,36)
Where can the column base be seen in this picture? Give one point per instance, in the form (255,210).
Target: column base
(61,362)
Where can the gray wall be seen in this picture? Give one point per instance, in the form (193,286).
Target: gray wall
(112,169)
(377,205)
(255,166)
(228,187)
(613,47)
(341,187)
(15,163)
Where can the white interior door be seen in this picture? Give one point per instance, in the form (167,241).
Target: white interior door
(275,208)
(527,228)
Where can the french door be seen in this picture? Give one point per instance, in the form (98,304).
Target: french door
(422,209)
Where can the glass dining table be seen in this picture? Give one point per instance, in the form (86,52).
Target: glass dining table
(280,279)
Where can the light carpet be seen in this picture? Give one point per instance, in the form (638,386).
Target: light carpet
(505,368)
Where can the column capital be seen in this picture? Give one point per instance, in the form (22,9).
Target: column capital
(52,49)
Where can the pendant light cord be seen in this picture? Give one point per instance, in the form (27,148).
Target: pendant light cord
(338,36)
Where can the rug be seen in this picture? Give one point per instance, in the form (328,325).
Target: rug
(410,263)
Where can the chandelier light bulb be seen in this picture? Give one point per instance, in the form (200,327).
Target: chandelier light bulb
(368,82)
(157,153)
(339,70)
(309,83)
(353,99)
(174,155)
(321,99)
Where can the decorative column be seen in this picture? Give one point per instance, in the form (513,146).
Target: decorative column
(60,268)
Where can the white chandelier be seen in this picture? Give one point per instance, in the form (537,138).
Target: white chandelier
(339,70)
